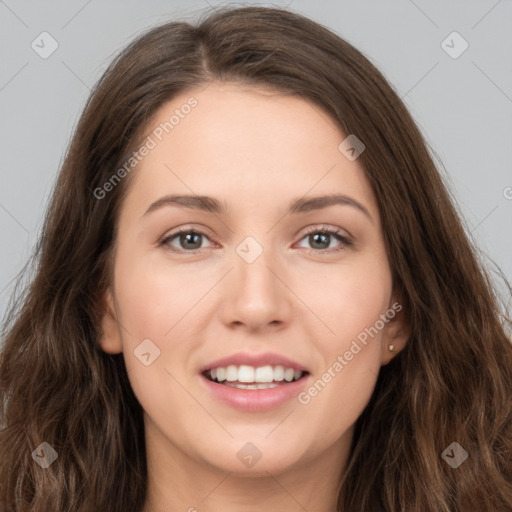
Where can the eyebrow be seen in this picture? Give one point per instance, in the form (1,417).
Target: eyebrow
(297,206)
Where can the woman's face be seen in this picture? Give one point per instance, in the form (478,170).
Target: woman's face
(251,292)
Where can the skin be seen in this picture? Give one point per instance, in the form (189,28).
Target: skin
(256,150)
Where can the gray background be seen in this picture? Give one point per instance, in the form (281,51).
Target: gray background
(463,105)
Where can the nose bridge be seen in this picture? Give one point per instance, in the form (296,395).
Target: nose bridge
(255,258)
(258,295)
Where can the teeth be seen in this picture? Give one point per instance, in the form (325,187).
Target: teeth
(221,374)
(246,374)
(264,374)
(278,373)
(251,375)
(266,385)
(288,374)
(231,373)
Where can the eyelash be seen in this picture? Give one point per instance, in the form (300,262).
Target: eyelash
(346,241)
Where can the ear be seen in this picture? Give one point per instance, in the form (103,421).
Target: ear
(110,339)
(396,331)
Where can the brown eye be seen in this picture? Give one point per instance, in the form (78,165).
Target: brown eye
(188,240)
(320,239)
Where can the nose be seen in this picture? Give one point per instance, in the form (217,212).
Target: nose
(256,295)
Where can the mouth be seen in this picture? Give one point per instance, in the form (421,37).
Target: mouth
(254,382)
(254,378)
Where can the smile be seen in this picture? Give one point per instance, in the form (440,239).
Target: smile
(250,377)
(251,383)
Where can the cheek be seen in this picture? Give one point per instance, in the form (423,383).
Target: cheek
(153,311)
(155,297)
(349,343)
(163,304)
(348,298)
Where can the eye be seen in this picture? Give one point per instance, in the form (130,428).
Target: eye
(188,239)
(321,238)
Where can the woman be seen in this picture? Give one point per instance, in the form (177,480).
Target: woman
(253,370)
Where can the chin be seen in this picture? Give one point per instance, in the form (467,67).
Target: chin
(255,459)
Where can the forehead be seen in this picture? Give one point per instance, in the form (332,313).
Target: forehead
(245,143)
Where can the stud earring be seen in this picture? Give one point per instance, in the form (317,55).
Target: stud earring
(391,348)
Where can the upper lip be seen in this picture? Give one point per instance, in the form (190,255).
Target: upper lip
(255,360)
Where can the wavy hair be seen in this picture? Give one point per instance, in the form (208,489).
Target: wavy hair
(451,383)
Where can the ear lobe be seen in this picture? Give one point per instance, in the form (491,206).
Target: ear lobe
(396,333)
(110,338)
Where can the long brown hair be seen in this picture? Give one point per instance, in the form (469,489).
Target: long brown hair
(451,383)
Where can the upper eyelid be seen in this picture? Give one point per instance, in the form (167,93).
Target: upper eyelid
(332,230)
(204,231)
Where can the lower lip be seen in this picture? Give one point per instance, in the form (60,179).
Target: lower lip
(255,400)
